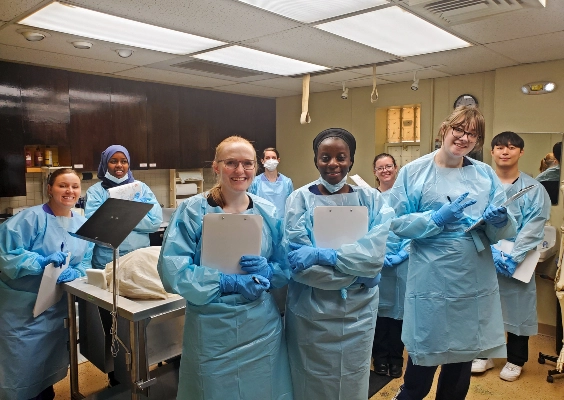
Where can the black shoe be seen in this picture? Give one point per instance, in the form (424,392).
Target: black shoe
(381,369)
(395,371)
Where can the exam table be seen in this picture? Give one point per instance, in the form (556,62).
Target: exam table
(150,333)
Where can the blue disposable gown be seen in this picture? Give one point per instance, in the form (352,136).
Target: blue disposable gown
(233,348)
(393,281)
(550,174)
(452,307)
(519,299)
(330,338)
(138,238)
(275,192)
(34,350)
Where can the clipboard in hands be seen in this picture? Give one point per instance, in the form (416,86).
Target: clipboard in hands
(227,237)
(334,226)
(525,270)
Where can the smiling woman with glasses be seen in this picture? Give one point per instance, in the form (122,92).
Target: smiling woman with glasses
(233,331)
(452,306)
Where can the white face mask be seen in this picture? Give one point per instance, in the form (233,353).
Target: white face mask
(116,180)
(271,164)
(333,188)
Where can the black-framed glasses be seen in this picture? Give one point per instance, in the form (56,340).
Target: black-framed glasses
(458,132)
(234,164)
(389,167)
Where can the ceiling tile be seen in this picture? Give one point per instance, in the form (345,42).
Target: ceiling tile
(60,43)
(516,24)
(10,9)
(45,58)
(175,78)
(254,90)
(389,68)
(318,47)
(532,49)
(464,61)
(224,20)
(338,76)
(294,84)
(408,75)
(364,81)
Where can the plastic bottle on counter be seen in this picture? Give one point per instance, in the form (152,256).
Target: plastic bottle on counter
(48,157)
(28,160)
(38,158)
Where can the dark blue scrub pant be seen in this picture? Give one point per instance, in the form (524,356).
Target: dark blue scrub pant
(454,381)
(388,347)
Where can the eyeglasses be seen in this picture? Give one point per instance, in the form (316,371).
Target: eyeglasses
(388,167)
(234,164)
(458,133)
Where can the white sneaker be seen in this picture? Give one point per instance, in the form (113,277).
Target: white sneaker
(481,365)
(510,372)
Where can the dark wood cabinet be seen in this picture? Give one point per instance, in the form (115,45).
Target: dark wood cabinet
(12,157)
(45,105)
(90,128)
(170,127)
(163,141)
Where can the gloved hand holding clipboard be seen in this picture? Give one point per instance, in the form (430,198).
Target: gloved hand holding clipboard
(505,204)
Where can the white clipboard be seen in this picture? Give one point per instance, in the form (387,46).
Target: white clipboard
(334,226)
(126,192)
(227,237)
(49,292)
(525,270)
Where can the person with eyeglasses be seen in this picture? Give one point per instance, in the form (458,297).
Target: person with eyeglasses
(387,348)
(333,294)
(233,344)
(452,309)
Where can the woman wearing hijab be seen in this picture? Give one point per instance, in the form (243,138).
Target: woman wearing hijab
(34,350)
(114,171)
(333,294)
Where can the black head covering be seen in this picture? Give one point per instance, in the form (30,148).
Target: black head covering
(335,133)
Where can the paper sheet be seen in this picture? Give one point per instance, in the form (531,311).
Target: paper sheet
(359,181)
(126,192)
(524,271)
(49,292)
(334,226)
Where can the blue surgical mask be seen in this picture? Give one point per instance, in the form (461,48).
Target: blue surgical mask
(116,180)
(333,188)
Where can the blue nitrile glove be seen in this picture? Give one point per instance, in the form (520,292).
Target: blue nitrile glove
(302,257)
(250,286)
(504,264)
(369,282)
(68,275)
(58,258)
(257,265)
(391,260)
(451,212)
(497,216)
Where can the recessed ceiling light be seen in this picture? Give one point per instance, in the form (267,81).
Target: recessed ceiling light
(394,31)
(33,36)
(313,10)
(124,53)
(81,44)
(96,25)
(244,57)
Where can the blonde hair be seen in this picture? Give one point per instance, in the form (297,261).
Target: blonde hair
(465,115)
(548,161)
(215,191)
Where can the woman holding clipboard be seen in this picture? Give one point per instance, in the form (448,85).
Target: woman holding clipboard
(333,294)
(233,339)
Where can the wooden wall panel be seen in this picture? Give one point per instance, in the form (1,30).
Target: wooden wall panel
(12,157)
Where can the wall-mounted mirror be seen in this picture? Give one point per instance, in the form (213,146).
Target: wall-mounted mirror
(537,146)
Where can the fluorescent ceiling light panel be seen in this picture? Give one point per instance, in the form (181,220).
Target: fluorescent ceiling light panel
(395,31)
(244,57)
(96,25)
(313,10)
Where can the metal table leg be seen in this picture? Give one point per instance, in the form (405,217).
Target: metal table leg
(73,342)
